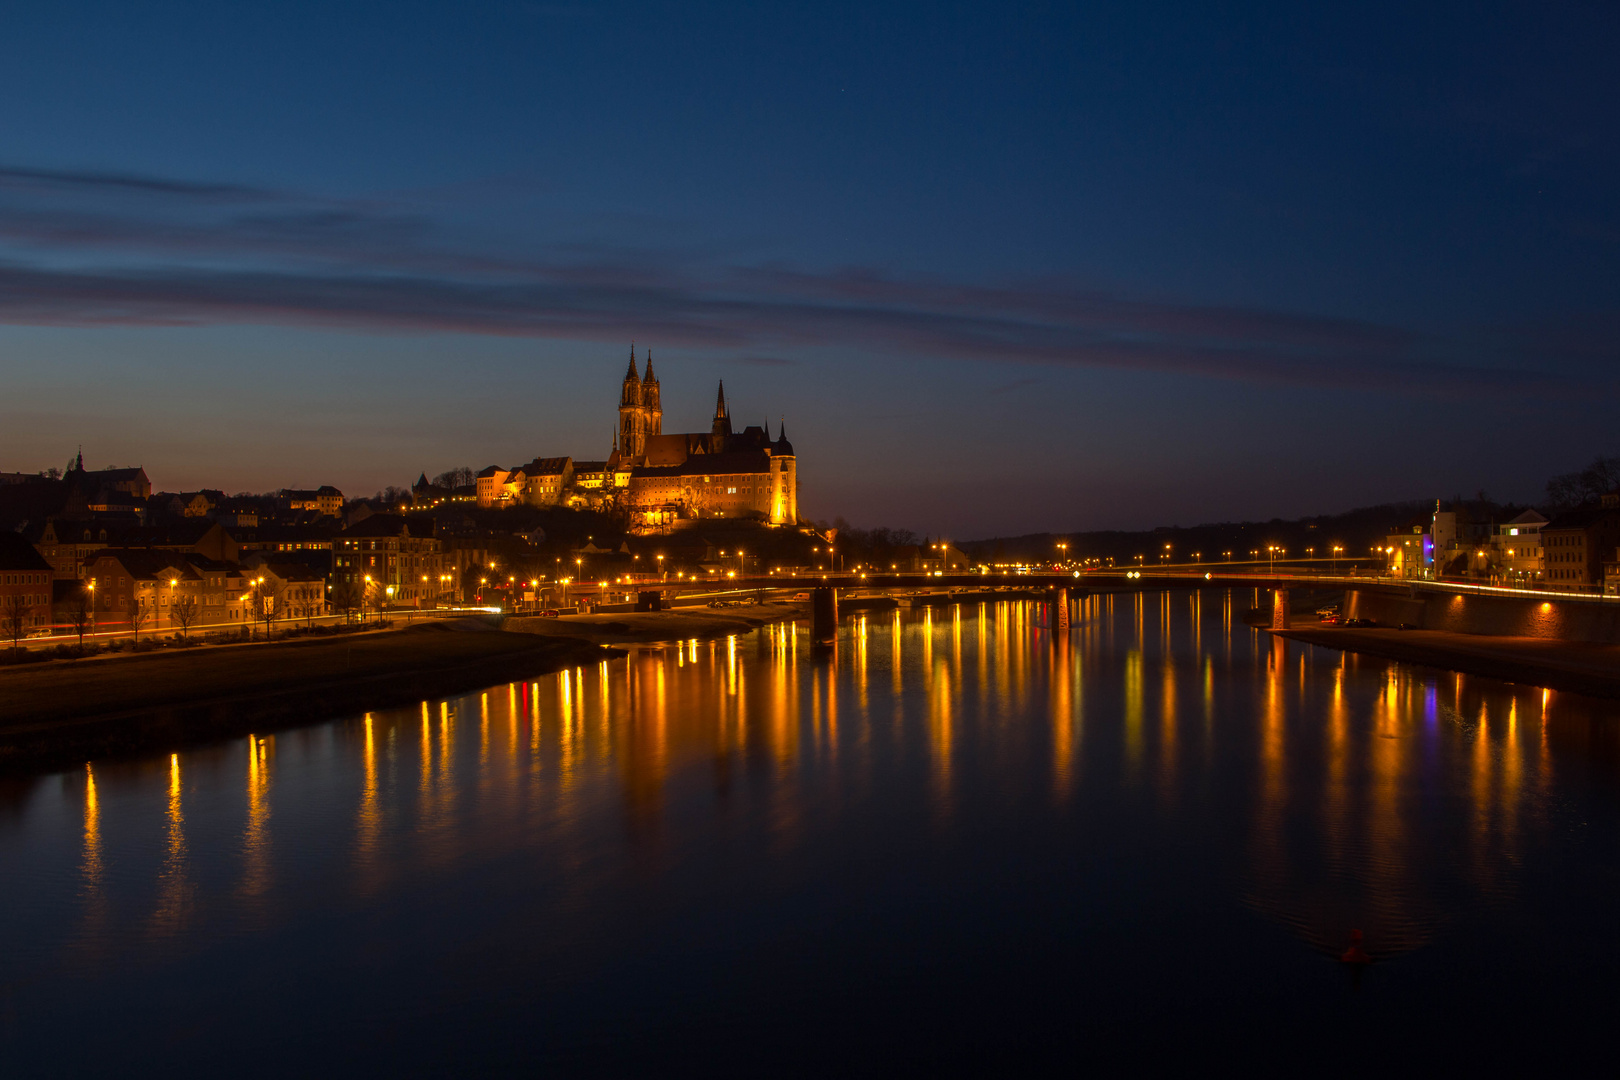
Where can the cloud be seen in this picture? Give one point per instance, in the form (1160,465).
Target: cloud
(101,249)
(1016,384)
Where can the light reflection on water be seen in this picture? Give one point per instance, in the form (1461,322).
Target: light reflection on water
(948,800)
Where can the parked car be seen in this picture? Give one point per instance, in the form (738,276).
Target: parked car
(800,596)
(1331,619)
(1406,626)
(549,613)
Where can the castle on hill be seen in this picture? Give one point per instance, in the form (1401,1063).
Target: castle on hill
(659,482)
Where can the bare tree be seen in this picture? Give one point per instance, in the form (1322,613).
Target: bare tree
(83,614)
(14,619)
(345,598)
(1570,490)
(378,598)
(268,602)
(139,615)
(184,612)
(455,478)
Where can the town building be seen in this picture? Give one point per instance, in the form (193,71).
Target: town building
(326,501)
(25,588)
(1576,544)
(144,590)
(1409,551)
(1518,547)
(398,560)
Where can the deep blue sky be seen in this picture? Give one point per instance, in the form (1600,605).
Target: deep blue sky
(1003,268)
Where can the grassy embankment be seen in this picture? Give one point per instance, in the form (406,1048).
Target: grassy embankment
(679,624)
(64,712)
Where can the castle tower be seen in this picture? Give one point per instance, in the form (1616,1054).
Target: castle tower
(784,509)
(721,429)
(653,409)
(632,418)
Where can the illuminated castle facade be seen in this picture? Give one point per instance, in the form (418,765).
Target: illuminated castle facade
(660,482)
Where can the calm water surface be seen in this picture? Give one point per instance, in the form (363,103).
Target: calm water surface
(956,843)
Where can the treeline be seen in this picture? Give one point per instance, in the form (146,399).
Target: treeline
(1584,487)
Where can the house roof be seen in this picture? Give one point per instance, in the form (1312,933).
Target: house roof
(381,525)
(1581,519)
(551,466)
(16,553)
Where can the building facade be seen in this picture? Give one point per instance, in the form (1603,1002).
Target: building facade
(25,588)
(659,482)
(1576,545)
(382,560)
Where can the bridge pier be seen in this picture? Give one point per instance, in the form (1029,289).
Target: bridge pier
(1061,603)
(1279,609)
(823,614)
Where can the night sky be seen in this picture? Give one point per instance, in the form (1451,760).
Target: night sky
(1002,268)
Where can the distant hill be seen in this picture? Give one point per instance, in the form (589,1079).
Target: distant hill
(1357,531)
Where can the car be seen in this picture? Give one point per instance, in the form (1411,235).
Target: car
(798,596)
(1331,619)
(1407,626)
(550,613)
(717,603)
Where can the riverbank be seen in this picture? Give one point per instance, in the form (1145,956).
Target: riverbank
(645,627)
(64,712)
(1574,666)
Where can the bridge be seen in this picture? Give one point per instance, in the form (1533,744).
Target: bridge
(1465,607)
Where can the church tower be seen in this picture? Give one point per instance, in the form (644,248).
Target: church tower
(632,418)
(652,408)
(721,429)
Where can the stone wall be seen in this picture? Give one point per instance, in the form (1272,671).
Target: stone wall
(1563,620)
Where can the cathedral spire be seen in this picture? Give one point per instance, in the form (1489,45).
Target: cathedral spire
(649,376)
(721,428)
(631,374)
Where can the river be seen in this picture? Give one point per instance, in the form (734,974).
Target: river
(955,843)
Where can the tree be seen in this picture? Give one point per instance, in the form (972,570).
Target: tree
(14,614)
(184,612)
(267,602)
(455,478)
(138,617)
(345,598)
(82,616)
(378,598)
(1570,490)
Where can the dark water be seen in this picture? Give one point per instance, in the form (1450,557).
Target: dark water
(955,845)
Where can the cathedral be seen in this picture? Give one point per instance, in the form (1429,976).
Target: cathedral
(659,482)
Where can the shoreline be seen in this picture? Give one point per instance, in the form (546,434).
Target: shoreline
(1579,667)
(58,714)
